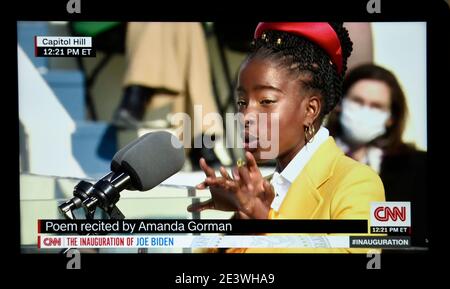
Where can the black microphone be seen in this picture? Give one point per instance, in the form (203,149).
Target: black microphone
(83,190)
(117,158)
(146,164)
(141,165)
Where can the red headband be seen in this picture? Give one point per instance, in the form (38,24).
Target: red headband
(321,33)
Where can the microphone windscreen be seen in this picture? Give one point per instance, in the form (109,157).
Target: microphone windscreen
(117,159)
(152,160)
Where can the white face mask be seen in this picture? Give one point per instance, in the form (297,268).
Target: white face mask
(362,124)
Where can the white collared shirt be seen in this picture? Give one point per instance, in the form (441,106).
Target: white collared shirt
(372,158)
(282,181)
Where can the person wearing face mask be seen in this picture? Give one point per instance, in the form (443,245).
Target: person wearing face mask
(368,126)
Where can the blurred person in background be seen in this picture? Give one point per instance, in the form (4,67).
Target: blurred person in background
(168,66)
(368,126)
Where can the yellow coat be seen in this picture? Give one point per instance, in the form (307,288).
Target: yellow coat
(331,186)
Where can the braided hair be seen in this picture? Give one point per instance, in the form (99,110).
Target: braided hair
(307,61)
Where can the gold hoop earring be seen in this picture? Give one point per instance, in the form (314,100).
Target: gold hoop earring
(310,131)
(307,134)
(313,131)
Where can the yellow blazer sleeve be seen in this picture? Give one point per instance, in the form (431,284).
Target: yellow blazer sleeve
(353,194)
(357,190)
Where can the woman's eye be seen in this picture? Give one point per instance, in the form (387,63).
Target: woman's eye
(379,107)
(267,101)
(241,102)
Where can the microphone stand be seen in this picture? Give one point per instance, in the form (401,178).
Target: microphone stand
(103,194)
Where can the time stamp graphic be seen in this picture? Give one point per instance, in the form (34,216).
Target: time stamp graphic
(66,46)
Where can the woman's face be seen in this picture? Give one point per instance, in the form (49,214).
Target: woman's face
(371,93)
(265,89)
(365,112)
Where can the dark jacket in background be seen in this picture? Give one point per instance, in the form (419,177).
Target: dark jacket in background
(404,177)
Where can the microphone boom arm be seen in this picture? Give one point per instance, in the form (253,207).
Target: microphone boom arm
(104,194)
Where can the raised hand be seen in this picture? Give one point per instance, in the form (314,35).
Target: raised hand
(247,193)
(253,192)
(221,199)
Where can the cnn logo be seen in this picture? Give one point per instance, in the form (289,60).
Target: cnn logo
(51,242)
(390,214)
